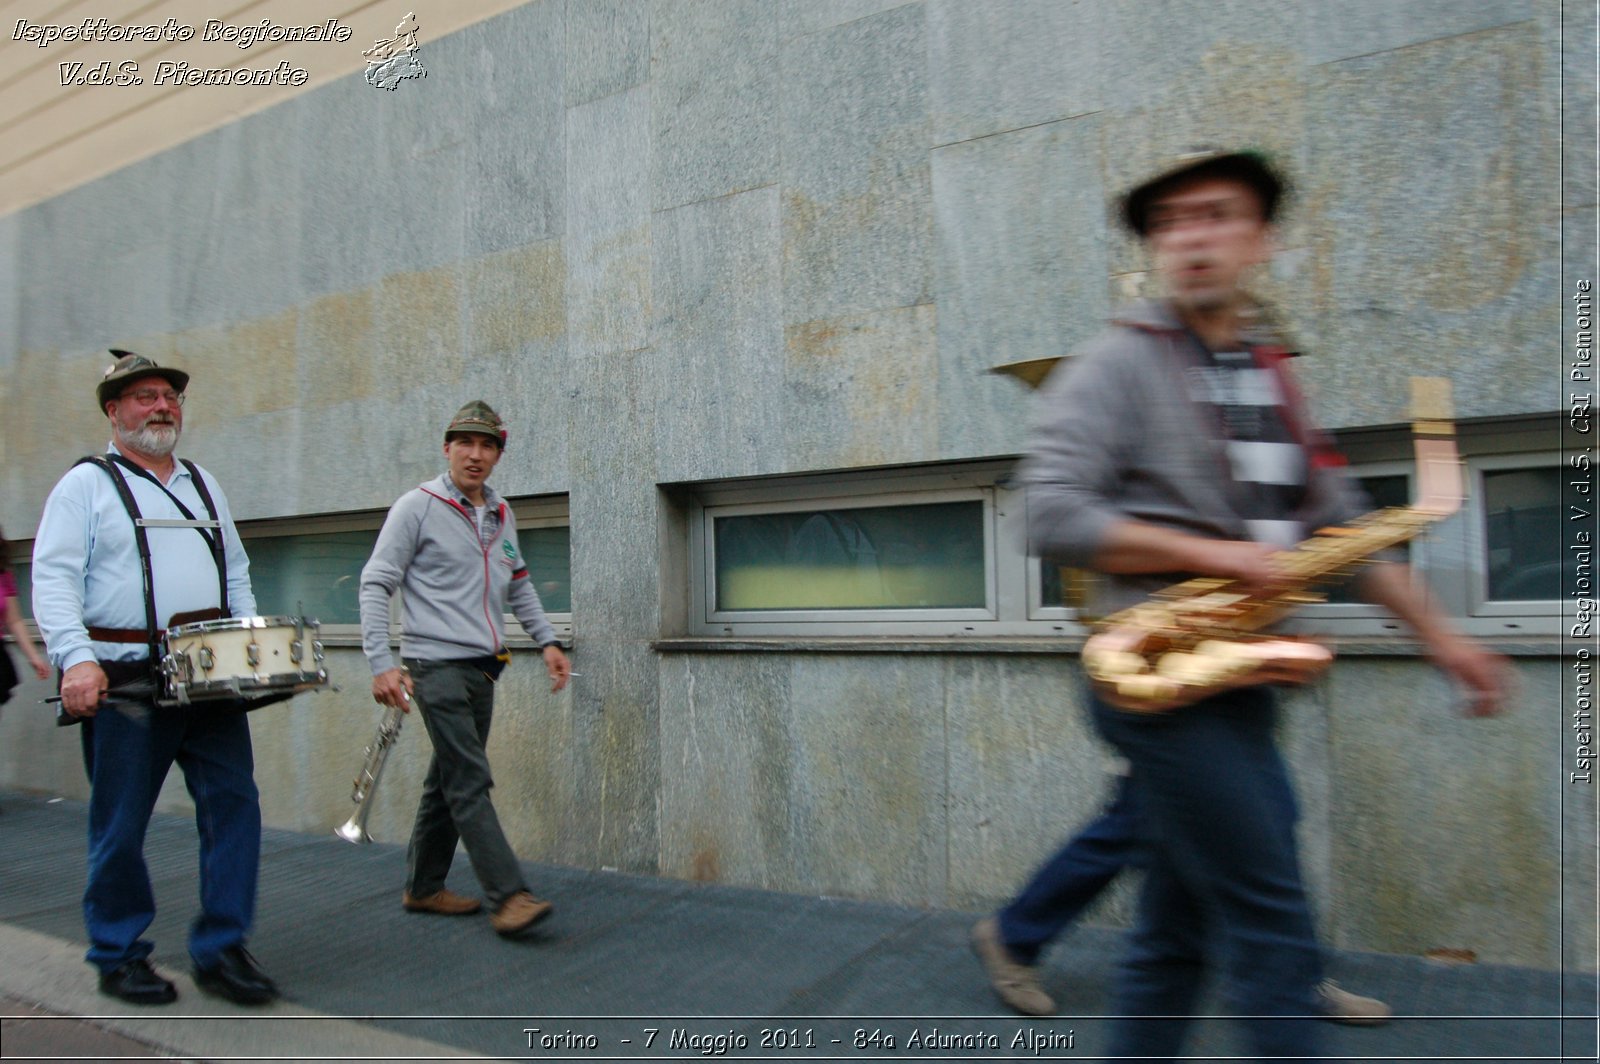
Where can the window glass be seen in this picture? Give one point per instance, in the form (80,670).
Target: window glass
(1522,533)
(1060,585)
(548,554)
(927,556)
(316,575)
(1384,491)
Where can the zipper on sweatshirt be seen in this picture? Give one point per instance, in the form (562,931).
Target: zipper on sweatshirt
(483,549)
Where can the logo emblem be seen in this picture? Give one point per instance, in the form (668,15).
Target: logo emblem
(511,552)
(389,62)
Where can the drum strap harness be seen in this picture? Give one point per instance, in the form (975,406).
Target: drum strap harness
(154,632)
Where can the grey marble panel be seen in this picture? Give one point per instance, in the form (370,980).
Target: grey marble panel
(10,291)
(251,456)
(813,15)
(612,446)
(613,819)
(994,67)
(608,48)
(1432,165)
(857,219)
(515,309)
(342,205)
(1580,912)
(1026,771)
(419,203)
(135,288)
(43,437)
(1439,819)
(718,305)
(513,120)
(532,751)
(714,98)
(869,777)
(1573,29)
(1351,28)
(232,194)
(608,224)
(1021,271)
(726,768)
(41,303)
(384,448)
(858,390)
(1148,50)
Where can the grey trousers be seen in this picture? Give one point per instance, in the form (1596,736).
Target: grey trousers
(456,700)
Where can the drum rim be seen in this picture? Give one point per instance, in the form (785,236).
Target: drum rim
(239,624)
(274,680)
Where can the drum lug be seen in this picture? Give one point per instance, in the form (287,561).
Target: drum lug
(296,651)
(208,660)
(316,650)
(252,654)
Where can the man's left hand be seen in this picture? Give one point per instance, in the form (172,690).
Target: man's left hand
(560,669)
(1486,676)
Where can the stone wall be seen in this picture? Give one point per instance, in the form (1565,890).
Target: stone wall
(702,239)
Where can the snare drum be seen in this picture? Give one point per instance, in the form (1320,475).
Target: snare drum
(241,657)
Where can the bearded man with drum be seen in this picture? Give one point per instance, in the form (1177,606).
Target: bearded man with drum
(104,589)
(1175,445)
(451,544)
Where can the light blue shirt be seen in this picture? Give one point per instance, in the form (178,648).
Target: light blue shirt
(86,568)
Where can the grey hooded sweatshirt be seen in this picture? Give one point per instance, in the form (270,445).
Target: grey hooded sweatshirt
(456,587)
(1116,436)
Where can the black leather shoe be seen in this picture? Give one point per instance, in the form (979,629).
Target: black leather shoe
(137,982)
(236,977)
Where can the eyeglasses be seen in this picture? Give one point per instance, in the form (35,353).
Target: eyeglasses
(148,396)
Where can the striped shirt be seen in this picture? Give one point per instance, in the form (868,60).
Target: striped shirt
(1268,463)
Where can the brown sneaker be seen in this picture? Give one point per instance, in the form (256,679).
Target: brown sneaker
(519,912)
(445,903)
(1017,984)
(1341,1006)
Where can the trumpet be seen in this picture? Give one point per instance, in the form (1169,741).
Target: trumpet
(366,782)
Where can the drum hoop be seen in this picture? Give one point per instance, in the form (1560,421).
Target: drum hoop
(277,679)
(237,624)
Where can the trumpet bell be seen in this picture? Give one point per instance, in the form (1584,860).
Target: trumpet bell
(351,831)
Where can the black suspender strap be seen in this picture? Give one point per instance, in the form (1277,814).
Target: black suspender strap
(132,506)
(213,539)
(218,547)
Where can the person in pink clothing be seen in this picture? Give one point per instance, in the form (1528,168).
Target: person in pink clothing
(16,626)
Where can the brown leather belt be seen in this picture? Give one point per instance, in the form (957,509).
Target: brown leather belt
(139,635)
(121,635)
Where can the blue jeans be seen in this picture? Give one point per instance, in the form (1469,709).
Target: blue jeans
(1223,887)
(1065,884)
(127,752)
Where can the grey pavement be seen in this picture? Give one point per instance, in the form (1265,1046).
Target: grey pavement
(633,967)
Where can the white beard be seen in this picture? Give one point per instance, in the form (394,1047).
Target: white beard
(157,441)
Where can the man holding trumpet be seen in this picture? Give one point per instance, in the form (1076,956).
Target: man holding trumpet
(451,544)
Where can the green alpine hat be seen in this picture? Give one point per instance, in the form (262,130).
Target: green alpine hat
(1251,167)
(128,366)
(477,416)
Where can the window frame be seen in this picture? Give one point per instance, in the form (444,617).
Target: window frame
(1369,618)
(543,511)
(1006,573)
(332,633)
(533,511)
(1503,612)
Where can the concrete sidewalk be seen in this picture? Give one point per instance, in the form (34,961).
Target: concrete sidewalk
(631,967)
